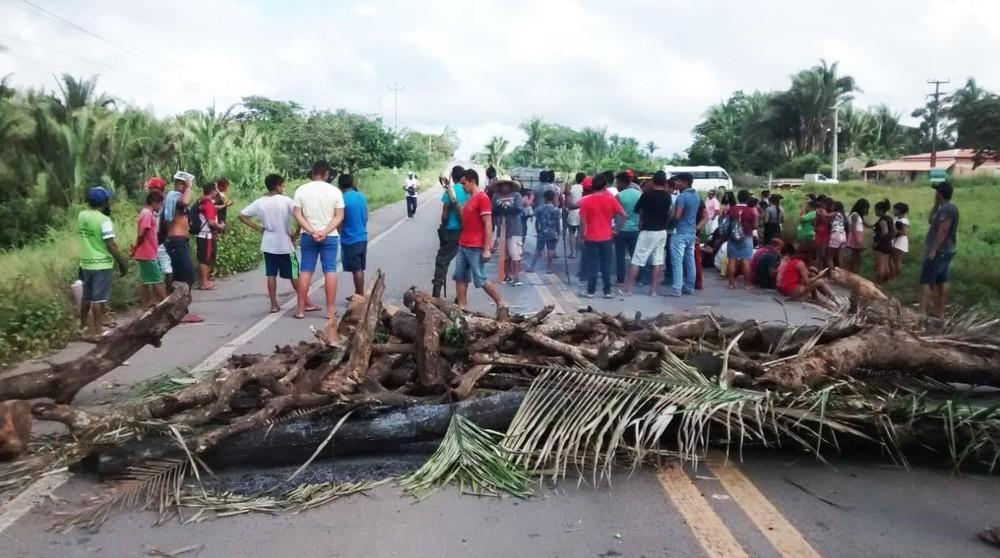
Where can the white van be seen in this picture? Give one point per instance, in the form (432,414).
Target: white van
(705,178)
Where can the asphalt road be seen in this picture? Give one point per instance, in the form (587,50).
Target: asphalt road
(770,504)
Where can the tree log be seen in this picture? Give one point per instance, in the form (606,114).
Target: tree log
(61,382)
(345,379)
(882,348)
(431,322)
(15,428)
(292,442)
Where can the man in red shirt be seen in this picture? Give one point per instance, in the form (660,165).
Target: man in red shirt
(474,243)
(207,239)
(597,211)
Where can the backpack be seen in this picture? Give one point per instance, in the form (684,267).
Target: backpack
(161,229)
(194,218)
(736,232)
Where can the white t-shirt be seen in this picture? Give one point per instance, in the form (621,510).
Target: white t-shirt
(575,194)
(274,214)
(319,200)
(411,186)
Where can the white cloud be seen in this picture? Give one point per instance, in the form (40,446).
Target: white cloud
(647,69)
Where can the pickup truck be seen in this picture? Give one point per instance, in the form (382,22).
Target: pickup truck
(812,178)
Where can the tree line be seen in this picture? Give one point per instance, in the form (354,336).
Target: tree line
(56,144)
(786,131)
(564,149)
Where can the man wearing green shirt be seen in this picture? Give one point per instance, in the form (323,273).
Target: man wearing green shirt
(98,257)
(627,228)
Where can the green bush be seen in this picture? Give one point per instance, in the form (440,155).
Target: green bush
(30,325)
(797,167)
(239,248)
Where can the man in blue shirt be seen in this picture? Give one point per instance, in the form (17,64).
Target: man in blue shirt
(685,217)
(452,199)
(354,232)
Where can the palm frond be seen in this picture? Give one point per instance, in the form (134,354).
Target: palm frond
(588,419)
(217,504)
(472,457)
(155,484)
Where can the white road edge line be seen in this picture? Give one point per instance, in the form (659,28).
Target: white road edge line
(23,503)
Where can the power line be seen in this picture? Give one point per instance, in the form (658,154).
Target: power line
(95,35)
(396,88)
(937,83)
(91,61)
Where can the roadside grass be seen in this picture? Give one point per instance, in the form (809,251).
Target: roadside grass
(975,271)
(36,308)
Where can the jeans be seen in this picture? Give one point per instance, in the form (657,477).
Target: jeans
(682,263)
(624,248)
(411,206)
(446,252)
(597,255)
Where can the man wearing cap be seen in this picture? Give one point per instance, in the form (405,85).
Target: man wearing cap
(411,186)
(941,246)
(175,217)
(98,256)
(157,184)
(507,209)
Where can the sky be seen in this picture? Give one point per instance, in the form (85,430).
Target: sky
(643,69)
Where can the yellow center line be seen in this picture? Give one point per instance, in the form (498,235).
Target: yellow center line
(782,535)
(566,292)
(544,292)
(713,535)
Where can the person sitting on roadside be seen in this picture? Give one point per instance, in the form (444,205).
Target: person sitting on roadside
(796,281)
(151,280)
(98,256)
(764,266)
(273,211)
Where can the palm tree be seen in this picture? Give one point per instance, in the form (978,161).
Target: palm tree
(651,147)
(496,150)
(81,92)
(594,143)
(537,131)
(804,113)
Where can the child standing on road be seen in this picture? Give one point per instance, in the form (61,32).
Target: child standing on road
(208,228)
(151,280)
(547,222)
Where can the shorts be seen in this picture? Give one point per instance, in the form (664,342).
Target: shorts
(883,249)
(574,230)
(650,244)
(515,248)
(469,262)
(206,250)
(936,271)
(312,251)
(150,272)
(741,250)
(276,265)
(96,285)
(179,250)
(164,259)
(837,240)
(355,257)
(548,244)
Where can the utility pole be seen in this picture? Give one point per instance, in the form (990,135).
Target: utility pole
(836,129)
(934,115)
(395,88)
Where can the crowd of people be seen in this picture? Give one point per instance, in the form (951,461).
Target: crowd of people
(627,231)
(323,219)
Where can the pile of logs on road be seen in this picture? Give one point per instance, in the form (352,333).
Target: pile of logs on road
(404,370)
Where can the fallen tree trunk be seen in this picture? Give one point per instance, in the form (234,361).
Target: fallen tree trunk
(292,442)
(882,348)
(61,382)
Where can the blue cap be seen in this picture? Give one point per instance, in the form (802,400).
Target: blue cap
(98,195)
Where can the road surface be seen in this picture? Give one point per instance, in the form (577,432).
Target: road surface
(771,504)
